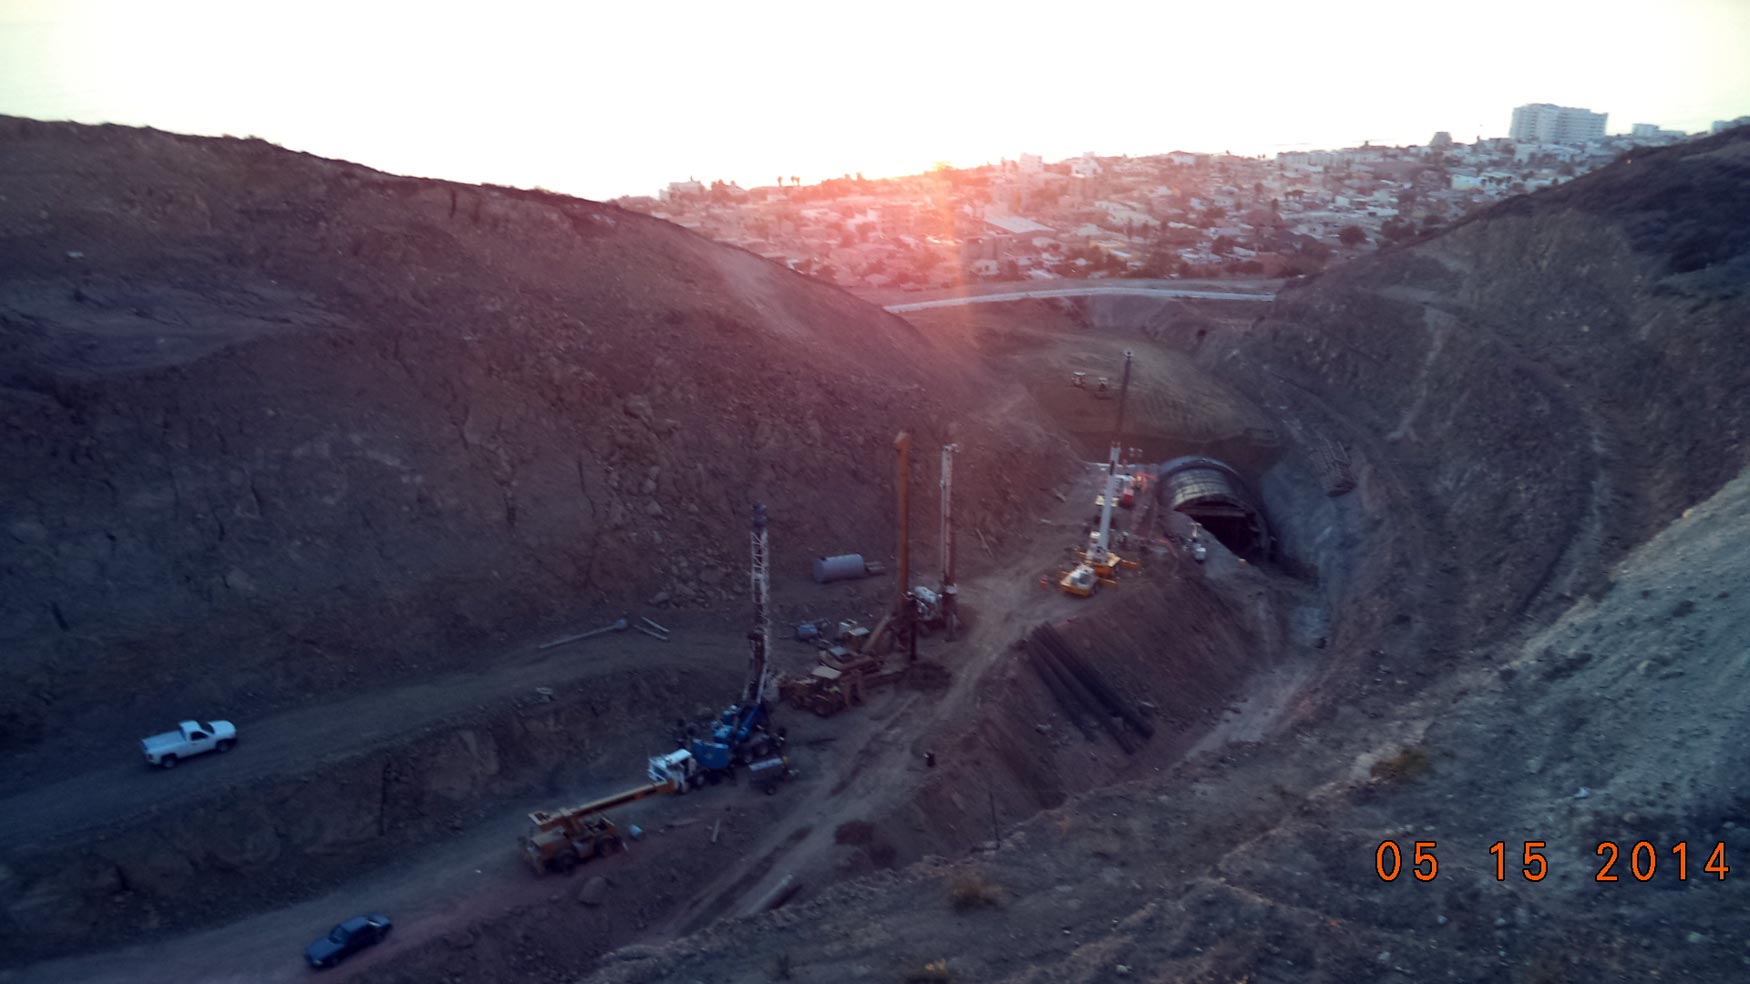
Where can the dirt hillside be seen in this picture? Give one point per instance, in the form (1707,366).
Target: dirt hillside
(280,427)
(1534,590)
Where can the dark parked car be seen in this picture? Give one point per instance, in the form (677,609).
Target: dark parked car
(347,939)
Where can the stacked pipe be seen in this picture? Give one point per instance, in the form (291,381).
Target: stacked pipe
(1083,691)
(1053,677)
(1113,703)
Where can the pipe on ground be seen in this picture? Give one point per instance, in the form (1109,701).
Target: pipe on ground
(1071,708)
(1095,682)
(1112,724)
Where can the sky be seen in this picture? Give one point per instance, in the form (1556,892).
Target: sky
(608,99)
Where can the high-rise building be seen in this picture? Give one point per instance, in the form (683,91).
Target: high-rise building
(1547,123)
(1721,126)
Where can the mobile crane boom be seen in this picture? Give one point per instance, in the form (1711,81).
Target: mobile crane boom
(1099,547)
(1098,562)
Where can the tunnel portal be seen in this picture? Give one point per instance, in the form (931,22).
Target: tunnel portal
(1213,493)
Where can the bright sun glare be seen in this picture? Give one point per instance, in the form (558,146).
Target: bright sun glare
(611,99)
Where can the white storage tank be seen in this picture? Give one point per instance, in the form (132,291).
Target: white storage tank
(840,568)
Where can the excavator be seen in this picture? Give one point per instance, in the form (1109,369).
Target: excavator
(1097,564)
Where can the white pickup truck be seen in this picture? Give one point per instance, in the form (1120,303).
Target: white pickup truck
(190,738)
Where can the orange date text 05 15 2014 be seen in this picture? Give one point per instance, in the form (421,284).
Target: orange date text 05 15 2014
(1639,861)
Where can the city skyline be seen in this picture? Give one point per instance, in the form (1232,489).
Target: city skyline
(605,103)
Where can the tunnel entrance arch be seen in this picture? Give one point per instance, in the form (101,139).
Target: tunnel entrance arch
(1213,493)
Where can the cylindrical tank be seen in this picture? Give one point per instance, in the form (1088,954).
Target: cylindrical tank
(840,568)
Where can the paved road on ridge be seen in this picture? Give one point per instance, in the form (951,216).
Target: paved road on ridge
(1021,295)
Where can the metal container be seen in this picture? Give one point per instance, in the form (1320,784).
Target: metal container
(767,773)
(840,568)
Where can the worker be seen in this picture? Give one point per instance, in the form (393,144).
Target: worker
(930,760)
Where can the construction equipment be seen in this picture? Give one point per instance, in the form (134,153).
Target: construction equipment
(825,691)
(741,733)
(560,840)
(1098,564)
(923,608)
(945,610)
(904,603)
(765,774)
(1135,487)
(899,623)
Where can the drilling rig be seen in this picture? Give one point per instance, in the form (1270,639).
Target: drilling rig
(1098,564)
(940,608)
(741,735)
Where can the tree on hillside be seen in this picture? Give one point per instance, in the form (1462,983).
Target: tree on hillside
(1223,245)
(1351,235)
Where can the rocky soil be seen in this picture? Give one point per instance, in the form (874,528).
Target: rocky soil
(1534,609)
(1518,619)
(279,427)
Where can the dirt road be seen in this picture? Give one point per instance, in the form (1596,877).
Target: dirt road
(433,892)
(297,740)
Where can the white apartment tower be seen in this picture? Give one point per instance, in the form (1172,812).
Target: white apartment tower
(1546,123)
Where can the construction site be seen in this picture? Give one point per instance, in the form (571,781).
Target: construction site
(605,604)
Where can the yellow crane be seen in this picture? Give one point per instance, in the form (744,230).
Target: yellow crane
(1097,563)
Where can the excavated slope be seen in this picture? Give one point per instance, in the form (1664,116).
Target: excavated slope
(1525,400)
(277,426)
